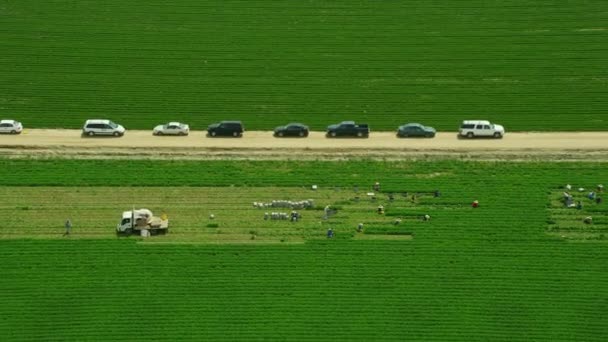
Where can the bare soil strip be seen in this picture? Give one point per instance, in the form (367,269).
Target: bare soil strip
(589,146)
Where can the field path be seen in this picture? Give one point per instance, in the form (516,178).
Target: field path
(263,143)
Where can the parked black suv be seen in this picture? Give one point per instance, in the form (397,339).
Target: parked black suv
(226,128)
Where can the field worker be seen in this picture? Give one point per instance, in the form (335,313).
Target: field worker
(579,205)
(330,233)
(360,227)
(568,187)
(68,227)
(266,216)
(377,186)
(397,222)
(591,195)
(569,201)
(588,220)
(475,204)
(437,193)
(391,197)
(380,209)
(426,217)
(211,216)
(598,200)
(414,198)
(326,211)
(600,188)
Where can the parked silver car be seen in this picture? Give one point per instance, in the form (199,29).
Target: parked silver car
(11,127)
(172,128)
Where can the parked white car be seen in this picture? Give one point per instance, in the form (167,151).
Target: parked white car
(11,127)
(102,127)
(480,128)
(172,128)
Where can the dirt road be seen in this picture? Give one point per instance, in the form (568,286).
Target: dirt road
(144,144)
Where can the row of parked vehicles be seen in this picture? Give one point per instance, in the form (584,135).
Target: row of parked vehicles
(468,128)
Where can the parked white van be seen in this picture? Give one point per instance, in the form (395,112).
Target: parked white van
(480,128)
(102,127)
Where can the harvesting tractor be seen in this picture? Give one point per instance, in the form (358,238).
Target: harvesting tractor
(142,222)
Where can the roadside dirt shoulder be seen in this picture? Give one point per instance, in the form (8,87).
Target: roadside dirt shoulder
(591,146)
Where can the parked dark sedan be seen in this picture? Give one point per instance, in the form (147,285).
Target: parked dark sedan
(291,130)
(415,130)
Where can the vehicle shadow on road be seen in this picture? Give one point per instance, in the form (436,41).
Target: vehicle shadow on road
(460,137)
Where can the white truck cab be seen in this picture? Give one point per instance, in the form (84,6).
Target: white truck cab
(134,221)
(480,128)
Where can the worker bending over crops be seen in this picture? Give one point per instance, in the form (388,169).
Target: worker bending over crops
(294,216)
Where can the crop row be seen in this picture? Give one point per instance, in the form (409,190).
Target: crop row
(39,212)
(512,194)
(394,176)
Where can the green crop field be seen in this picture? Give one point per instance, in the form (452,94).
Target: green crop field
(519,267)
(530,65)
